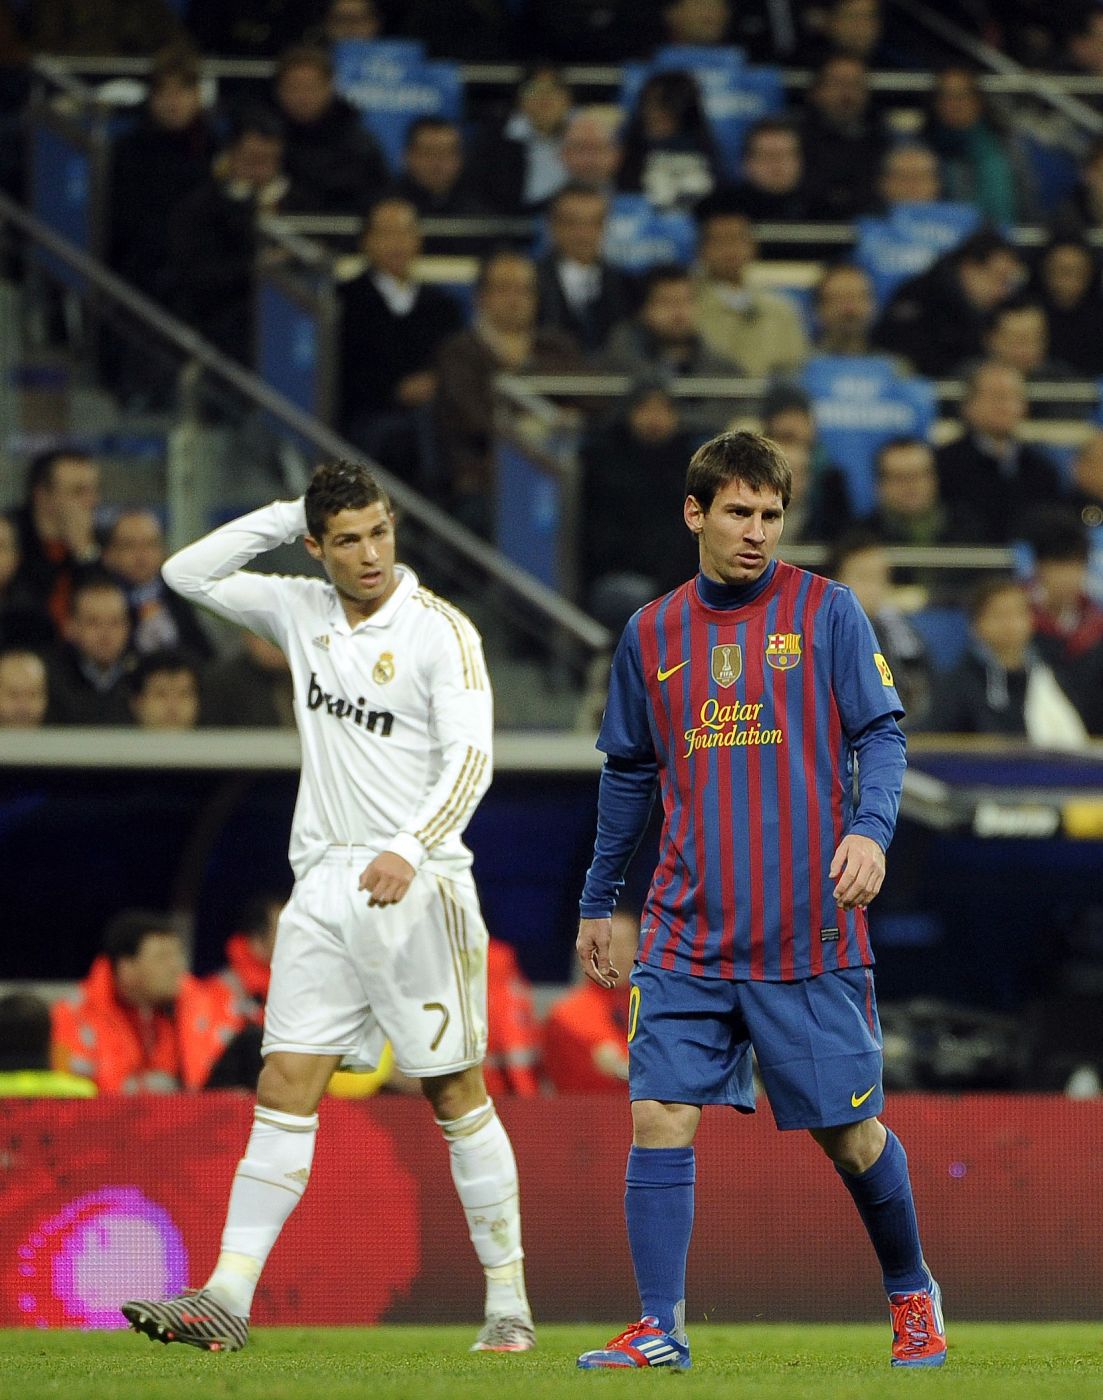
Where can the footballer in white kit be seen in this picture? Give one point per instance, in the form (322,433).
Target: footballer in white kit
(382,938)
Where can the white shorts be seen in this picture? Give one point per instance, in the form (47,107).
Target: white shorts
(346,977)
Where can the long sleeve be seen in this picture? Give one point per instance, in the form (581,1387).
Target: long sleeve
(209,572)
(462,710)
(882,757)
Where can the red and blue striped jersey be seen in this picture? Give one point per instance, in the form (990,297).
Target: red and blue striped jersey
(752,714)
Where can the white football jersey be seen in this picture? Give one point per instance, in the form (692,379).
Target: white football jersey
(395,715)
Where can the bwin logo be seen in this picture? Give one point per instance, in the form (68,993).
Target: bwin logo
(316,697)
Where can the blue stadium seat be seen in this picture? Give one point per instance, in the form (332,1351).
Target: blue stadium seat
(945,633)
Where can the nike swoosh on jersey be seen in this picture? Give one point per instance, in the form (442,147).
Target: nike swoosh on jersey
(665,675)
(856,1100)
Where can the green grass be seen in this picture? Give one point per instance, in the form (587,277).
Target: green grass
(986,1362)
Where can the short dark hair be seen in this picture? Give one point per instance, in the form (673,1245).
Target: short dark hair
(981,246)
(40,471)
(1012,307)
(860,540)
(179,61)
(1057,534)
(394,197)
(125,934)
(836,269)
(574,189)
(337,486)
(659,275)
(896,444)
(741,456)
(420,124)
(304,56)
(253,917)
(24,1032)
(497,255)
(166,661)
(982,593)
(95,580)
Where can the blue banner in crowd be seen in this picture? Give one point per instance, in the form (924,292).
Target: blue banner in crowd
(905,242)
(391,82)
(860,402)
(734,93)
(638,236)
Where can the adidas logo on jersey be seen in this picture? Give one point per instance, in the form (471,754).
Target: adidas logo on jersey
(316,698)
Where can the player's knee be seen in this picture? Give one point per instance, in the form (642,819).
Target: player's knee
(285,1091)
(663,1124)
(853,1147)
(454,1095)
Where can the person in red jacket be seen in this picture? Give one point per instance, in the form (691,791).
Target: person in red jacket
(586,1033)
(243,982)
(513,1032)
(141,1023)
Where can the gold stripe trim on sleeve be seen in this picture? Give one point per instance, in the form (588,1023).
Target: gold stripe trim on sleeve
(461,777)
(474,668)
(459,802)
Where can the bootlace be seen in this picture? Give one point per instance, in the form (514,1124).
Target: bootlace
(911,1318)
(630,1333)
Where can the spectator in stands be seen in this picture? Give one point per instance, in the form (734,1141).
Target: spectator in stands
(88,680)
(154,164)
(385,398)
(433,178)
(982,163)
(250,689)
(25,1071)
(213,241)
(1068,624)
(1087,481)
(243,982)
(665,336)
(1018,336)
(591,152)
(129,28)
(634,545)
(1083,210)
(518,163)
(1083,40)
(140,1022)
(757,329)
(579,292)
(164,691)
(351,19)
(938,319)
(669,154)
(845,310)
(249,28)
(909,175)
(514,1034)
(855,28)
(504,338)
(988,469)
(586,1031)
(860,560)
(24,620)
(909,509)
(134,550)
(1001,686)
(24,689)
(327,148)
(1067,282)
(843,140)
(819,507)
(772,188)
(56,527)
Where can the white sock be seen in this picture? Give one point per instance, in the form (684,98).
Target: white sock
(485,1174)
(268,1185)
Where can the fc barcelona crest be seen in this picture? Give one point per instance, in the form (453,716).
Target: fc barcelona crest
(727,664)
(783,650)
(383,670)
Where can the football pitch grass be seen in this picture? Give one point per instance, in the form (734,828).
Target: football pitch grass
(432,1363)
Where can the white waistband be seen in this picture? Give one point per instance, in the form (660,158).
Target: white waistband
(347,855)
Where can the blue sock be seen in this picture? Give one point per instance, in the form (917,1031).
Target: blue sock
(883,1195)
(658,1207)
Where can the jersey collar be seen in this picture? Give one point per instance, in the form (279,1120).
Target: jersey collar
(407,584)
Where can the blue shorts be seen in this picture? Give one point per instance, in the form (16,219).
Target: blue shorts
(817,1043)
